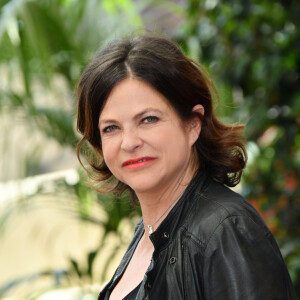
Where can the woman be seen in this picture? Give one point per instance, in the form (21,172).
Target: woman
(147,111)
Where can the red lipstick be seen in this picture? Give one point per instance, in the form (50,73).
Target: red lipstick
(137,162)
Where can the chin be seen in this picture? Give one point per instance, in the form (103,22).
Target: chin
(142,185)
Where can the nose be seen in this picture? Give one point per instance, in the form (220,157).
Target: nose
(130,141)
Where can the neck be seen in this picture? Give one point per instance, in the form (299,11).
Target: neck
(156,205)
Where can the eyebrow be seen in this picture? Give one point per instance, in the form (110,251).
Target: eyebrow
(137,116)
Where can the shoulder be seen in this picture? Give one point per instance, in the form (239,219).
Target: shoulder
(217,206)
(230,243)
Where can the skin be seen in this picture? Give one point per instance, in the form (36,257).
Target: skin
(139,122)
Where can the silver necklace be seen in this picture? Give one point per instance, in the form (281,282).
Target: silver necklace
(150,226)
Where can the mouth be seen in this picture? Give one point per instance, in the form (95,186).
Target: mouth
(138,162)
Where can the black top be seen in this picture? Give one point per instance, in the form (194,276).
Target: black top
(133,293)
(131,296)
(213,245)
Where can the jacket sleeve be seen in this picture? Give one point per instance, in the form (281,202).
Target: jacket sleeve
(242,261)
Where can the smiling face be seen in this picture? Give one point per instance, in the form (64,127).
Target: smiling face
(144,142)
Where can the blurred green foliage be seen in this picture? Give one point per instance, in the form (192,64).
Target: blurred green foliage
(250,48)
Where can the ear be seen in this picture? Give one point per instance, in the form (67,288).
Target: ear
(195,123)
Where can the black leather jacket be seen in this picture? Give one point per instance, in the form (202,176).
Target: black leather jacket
(212,245)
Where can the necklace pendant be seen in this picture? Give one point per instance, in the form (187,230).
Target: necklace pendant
(150,228)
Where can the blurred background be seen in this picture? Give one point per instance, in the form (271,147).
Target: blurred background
(58,238)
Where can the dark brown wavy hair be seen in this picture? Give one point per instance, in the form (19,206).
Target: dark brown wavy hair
(159,62)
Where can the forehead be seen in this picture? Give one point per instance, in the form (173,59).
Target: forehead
(132,95)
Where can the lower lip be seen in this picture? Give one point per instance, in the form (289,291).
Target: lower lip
(139,164)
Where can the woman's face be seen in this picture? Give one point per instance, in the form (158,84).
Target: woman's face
(144,143)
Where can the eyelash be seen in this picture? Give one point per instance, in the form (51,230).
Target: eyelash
(154,119)
(111,128)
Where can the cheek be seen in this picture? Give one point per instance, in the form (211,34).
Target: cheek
(109,152)
(173,141)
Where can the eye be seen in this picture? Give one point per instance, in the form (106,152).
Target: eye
(150,119)
(109,128)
